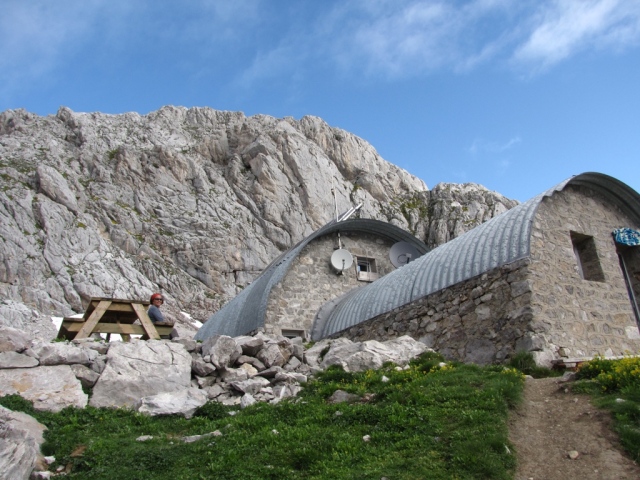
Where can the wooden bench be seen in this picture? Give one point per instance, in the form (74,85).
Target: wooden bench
(112,315)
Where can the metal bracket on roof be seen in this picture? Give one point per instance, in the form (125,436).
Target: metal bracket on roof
(349,212)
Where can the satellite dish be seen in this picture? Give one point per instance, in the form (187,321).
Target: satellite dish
(341,259)
(402,253)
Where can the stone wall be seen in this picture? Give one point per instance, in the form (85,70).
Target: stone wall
(480,320)
(311,281)
(575,316)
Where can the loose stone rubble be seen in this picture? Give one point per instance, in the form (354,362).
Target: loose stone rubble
(173,377)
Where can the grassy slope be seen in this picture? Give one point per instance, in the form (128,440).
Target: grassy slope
(426,422)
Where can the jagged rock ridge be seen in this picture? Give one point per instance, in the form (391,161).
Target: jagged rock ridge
(191,202)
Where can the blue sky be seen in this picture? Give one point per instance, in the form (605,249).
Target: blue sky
(516,95)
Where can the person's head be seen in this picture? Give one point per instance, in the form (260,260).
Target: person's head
(157,299)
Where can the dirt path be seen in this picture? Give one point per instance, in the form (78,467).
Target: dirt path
(551,422)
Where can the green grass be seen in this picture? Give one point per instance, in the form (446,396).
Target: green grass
(426,422)
(525,362)
(615,386)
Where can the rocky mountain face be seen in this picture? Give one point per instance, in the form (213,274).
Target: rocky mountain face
(193,203)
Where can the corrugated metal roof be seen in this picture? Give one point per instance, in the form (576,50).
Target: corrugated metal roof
(499,241)
(246,311)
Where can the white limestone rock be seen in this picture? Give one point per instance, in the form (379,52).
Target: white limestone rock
(63,354)
(87,377)
(314,355)
(54,186)
(222,349)
(282,391)
(251,385)
(254,362)
(13,340)
(50,388)
(247,400)
(202,368)
(273,355)
(250,345)
(358,357)
(20,439)
(182,402)
(17,360)
(139,369)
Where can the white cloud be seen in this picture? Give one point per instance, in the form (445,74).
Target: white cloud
(564,27)
(480,145)
(39,36)
(389,39)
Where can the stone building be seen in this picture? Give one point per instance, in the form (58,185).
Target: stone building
(286,297)
(546,276)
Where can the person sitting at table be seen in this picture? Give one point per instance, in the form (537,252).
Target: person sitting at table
(154,310)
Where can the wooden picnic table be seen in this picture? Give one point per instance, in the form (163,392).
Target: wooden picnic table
(113,315)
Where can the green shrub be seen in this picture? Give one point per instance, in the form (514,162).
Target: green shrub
(525,362)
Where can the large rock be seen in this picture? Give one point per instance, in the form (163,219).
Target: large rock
(140,369)
(251,385)
(273,355)
(183,402)
(50,388)
(314,355)
(63,354)
(16,360)
(20,440)
(223,350)
(87,377)
(54,186)
(358,357)
(13,340)
(250,345)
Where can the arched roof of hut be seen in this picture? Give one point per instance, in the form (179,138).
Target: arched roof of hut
(246,311)
(499,241)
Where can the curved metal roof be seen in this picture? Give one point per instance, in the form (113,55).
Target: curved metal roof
(499,241)
(246,311)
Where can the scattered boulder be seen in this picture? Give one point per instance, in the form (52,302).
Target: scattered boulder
(272,355)
(63,354)
(250,345)
(181,402)
(87,377)
(13,340)
(50,388)
(358,357)
(251,386)
(160,376)
(340,396)
(17,360)
(223,350)
(20,440)
(140,369)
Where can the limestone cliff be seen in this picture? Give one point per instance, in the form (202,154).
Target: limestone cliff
(190,202)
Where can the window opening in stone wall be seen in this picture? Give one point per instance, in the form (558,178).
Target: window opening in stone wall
(290,333)
(589,266)
(366,269)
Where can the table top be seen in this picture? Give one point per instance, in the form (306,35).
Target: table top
(120,310)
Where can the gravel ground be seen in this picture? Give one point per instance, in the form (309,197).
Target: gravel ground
(553,424)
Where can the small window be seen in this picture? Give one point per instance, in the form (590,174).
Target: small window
(366,269)
(589,266)
(292,333)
